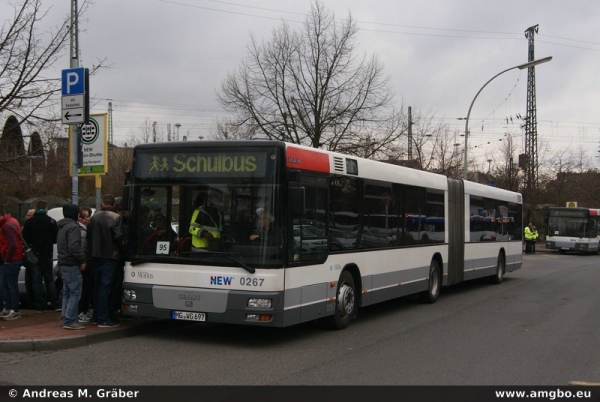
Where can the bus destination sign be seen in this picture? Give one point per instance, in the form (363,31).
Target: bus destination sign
(217,164)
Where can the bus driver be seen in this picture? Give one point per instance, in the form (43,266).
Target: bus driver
(207,221)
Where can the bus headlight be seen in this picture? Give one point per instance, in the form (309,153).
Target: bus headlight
(129,294)
(260,303)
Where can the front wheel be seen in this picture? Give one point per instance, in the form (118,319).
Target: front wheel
(433,284)
(345,302)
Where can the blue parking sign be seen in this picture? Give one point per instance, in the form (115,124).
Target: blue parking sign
(73,81)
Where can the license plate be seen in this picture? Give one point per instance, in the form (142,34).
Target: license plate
(189,316)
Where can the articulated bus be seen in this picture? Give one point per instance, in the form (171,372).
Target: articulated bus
(573,229)
(342,237)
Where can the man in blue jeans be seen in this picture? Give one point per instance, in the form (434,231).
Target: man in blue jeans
(71,261)
(11,251)
(40,233)
(105,239)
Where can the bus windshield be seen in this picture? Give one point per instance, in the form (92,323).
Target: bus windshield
(568,226)
(210,206)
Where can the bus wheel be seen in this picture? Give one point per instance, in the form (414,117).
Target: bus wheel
(500,269)
(433,284)
(345,303)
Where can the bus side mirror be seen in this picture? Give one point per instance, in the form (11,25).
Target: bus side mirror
(296,202)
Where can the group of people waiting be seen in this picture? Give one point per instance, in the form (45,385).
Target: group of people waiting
(90,263)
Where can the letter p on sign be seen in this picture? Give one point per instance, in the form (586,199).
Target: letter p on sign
(73,81)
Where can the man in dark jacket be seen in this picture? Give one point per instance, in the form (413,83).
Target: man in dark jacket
(71,261)
(40,233)
(105,238)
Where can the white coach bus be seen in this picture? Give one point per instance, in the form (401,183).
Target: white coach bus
(296,271)
(573,229)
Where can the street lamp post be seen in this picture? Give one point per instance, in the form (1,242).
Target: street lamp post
(520,67)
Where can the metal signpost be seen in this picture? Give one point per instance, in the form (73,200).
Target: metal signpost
(75,96)
(75,111)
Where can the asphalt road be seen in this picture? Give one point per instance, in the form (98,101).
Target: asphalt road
(539,327)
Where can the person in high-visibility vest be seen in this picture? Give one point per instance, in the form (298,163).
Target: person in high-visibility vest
(534,236)
(207,222)
(529,238)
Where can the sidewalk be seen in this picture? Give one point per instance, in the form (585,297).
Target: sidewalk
(37,332)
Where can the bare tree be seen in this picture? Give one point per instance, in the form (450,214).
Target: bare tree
(308,87)
(119,160)
(565,180)
(146,133)
(506,169)
(434,146)
(28,51)
(26,55)
(230,130)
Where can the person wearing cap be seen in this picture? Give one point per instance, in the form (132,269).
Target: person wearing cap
(156,228)
(529,238)
(207,221)
(155,214)
(71,261)
(265,232)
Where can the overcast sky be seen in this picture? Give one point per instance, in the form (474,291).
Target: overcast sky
(168,59)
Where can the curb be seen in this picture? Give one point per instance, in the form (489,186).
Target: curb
(67,342)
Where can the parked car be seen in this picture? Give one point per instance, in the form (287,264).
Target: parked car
(342,240)
(375,238)
(311,244)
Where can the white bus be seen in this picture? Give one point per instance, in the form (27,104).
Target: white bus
(573,229)
(300,275)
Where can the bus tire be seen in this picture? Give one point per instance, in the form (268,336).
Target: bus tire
(345,302)
(433,284)
(500,270)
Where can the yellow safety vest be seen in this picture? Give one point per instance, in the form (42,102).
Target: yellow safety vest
(528,234)
(196,229)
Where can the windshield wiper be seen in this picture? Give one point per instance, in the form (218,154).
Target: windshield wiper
(232,258)
(166,258)
(154,259)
